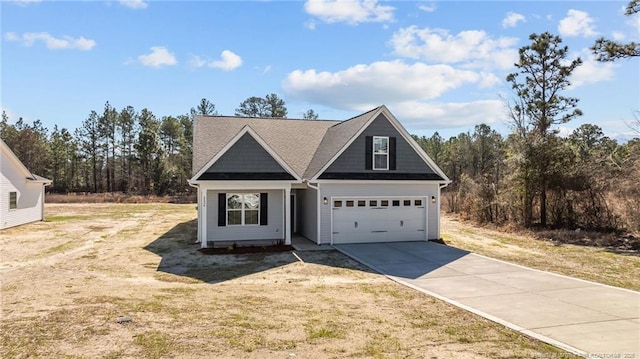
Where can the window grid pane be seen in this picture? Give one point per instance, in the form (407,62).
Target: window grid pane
(234,217)
(251,217)
(380,161)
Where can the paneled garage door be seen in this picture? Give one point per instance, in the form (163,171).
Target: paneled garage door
(363,220)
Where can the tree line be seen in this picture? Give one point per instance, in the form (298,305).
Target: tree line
(532,177)
(121,150)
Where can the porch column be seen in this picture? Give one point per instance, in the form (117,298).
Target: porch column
(202,207)
(287,215)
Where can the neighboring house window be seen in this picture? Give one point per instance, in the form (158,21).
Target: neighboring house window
(243,209)
(13,200)
(380,153)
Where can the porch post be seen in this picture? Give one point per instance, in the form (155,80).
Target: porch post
(287,215)
(202,207)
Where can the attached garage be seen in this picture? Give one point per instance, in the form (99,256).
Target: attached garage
(378,219)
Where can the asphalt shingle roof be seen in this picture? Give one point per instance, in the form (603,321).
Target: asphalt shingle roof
(295,141)
(305,145)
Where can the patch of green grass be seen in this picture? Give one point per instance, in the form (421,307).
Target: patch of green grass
(248,342)
(63,218)
(329,330)
(114,355)
(178,290)
(384,346)
(60,248)
(155,344)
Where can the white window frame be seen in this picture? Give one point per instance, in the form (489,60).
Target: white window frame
(11,204)
(379,153)
(242,209)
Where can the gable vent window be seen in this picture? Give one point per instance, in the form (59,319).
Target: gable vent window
(13,200)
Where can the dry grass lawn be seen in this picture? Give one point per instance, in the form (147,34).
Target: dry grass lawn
(66,281)
(602,265)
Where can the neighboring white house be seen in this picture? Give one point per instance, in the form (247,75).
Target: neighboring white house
(360,180)
(21,192)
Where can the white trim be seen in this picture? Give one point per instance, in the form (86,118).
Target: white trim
(329,181)
(373,153)
(416,147)
(403,132)
(294,225)
(287,215)
(241,185)
(204,239)
(30,177)
(346,145)
(318,209)
(265,146)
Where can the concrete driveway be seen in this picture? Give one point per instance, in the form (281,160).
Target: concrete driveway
(585,318)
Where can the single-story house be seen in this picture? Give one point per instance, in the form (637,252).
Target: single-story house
(360,180)
(21,192)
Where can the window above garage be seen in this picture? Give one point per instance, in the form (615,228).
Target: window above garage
(380,153)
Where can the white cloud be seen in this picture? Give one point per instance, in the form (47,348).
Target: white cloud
(311,25)
(23,2)
(363,86)
(52,43)
(472,47)
(564,131)
(427,8)
(577,23)
(158,57)
(417,115)
(618,36)
(228,61)
(512,19)
(349,11)
(591,71)
(134,4)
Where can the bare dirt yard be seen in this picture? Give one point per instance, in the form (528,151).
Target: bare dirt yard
(66,282)
(607,261)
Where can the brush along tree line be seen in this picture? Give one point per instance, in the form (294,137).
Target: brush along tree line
(532,177)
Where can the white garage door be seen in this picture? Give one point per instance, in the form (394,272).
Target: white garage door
(364,220)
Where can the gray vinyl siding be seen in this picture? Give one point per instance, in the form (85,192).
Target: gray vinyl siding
(352,160)
(426,190)
(309,213)
(246,155)
(273,230)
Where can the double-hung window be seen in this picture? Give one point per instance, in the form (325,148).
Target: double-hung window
(380,153)
(243,209)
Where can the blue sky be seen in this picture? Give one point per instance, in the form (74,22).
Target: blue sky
(438,66)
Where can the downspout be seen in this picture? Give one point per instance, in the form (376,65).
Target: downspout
(440,187)
(42,207)
(318,207)
(197,186)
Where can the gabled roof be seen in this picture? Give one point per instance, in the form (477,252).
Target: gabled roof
(20,166)
(295,141)
(306,147)
(336,138)
(249,131)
